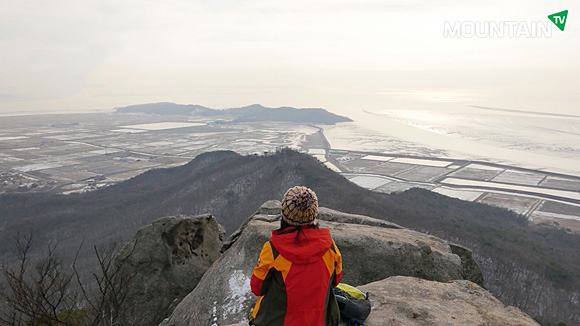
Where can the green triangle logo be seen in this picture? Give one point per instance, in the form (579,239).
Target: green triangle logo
(559,19)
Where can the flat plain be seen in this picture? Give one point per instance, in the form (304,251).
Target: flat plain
(82,152)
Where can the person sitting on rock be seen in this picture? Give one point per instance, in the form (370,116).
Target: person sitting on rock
(297,268)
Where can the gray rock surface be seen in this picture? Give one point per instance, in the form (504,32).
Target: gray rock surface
(270,210)
(469,269)
(408,301)
(370,253)
(167,259)
(330,215)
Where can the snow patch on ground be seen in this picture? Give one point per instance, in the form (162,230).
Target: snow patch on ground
(239,293)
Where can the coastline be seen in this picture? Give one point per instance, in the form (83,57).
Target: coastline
(378,133)
(547,196)
(67,153)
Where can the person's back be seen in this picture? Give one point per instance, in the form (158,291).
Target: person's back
(297,269)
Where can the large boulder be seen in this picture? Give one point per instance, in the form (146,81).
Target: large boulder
(164,262)
(372,250)
(408,301)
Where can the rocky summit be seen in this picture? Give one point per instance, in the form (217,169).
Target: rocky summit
(410,301)
(402,269)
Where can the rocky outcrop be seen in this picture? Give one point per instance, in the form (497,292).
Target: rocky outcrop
(470,270)
(372,250)
(271,209)
(164,262)
(408,301)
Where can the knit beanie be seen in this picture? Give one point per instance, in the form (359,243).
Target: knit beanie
(299,206)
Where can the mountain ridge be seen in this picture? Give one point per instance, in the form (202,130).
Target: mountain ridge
(249,113)
(532,268)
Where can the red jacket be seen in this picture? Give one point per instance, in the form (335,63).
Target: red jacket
(294,278)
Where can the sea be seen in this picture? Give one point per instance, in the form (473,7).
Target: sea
(547,141)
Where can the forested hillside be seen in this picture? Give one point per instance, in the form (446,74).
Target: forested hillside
(536,269)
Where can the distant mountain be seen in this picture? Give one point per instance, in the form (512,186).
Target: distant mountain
(251,113)
(534,268)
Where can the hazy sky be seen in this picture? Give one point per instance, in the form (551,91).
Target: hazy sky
(336,54)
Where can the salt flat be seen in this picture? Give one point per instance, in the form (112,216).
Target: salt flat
(162,125)
(369,182)
(541,196)
(377,158)
(515,187)
(422,162)
(467,195)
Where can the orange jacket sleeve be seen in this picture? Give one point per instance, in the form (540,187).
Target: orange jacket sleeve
(262,267)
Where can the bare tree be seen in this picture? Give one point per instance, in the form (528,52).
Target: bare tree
(39,293)
(44,293)
(108,304)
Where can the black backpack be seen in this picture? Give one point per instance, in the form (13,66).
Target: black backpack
(354,306)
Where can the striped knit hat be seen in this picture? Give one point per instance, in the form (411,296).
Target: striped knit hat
(299,206)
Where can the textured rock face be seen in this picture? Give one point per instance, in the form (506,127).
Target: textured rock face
(223,294)
(168,258)
(470,270)
(370,253)
(407,301)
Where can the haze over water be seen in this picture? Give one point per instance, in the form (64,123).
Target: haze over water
(547,141)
